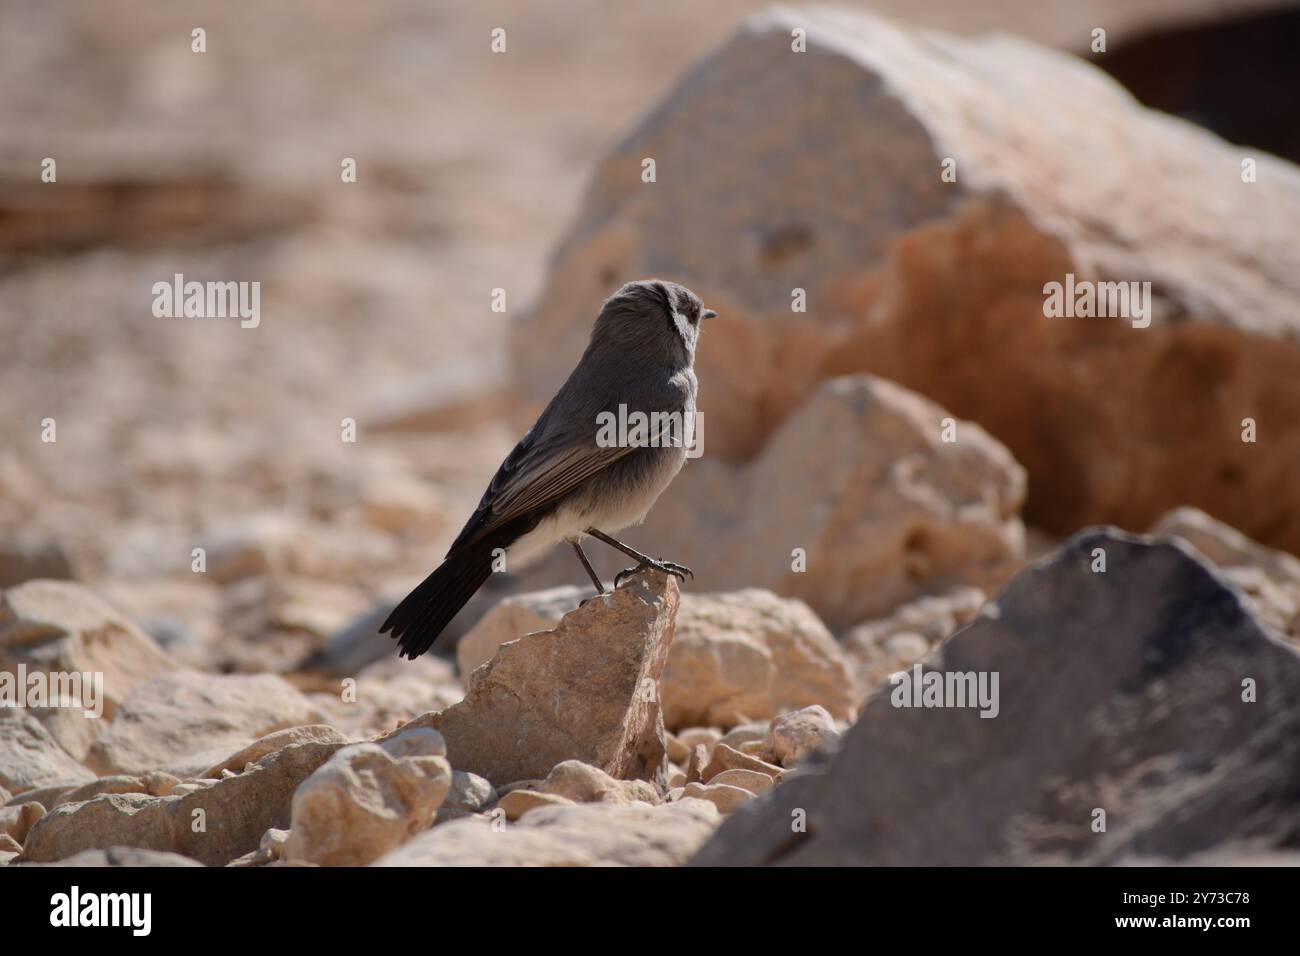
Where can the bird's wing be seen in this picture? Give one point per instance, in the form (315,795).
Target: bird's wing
(536,475)
(546,465)
(560,452)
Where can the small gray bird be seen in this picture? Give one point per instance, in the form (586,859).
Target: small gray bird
(564,480)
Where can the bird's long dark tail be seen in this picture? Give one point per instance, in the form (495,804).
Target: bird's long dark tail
(427,610)
(422,615)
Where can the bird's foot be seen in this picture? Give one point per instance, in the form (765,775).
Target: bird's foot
(678,571)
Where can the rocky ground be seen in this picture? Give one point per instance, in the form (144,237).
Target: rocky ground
(896,477)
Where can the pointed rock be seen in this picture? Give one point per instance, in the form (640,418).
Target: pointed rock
(587,690)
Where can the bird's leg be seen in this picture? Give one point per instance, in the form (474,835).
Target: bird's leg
(643,561)
(591,572)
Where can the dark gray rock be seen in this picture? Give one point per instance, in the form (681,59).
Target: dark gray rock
(1119,691)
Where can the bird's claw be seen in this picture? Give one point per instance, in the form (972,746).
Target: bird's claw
(679,571)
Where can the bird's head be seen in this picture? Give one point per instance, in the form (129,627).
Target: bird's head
(654,317)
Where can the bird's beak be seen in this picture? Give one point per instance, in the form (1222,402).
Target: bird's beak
(708,314)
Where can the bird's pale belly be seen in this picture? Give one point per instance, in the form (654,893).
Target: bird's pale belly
(615,499)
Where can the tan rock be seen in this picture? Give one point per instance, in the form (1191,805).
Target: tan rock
(367,800)
(886,513)
(761,749)
(469,794)
(512,618)
(744,654)
(944,292)
(884,646)
(312,733)
(269,850)
(213,824)
(45,796)
(677,751)
(586,834)
(10,849)
(518,802)
(390,692)
(584,783)
(749,655)
(584,691)
(17,821)
(738,736)
(194,786)
(274,840)
(156,784)
(259,857)
(693,736)
(796,735)
(30,757)
(725,758)
(188,721)
(415,742)
(751,780)
(62,628)
(181,614)
(695,765)
(723,796)
(676,777)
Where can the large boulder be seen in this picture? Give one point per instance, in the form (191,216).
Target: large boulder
(939,282)
(1138,711)
(587,690)
(857,503)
